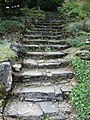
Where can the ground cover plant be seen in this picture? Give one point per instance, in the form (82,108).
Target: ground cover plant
(80,95)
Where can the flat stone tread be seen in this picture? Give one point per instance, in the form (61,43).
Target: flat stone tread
(44,62)
(49,108)
(42,72)
(51,36)
(40,41)
(54,89)
(46,53)
(58,46)
(24,109)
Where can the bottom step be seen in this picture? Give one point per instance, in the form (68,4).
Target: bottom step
(21,110)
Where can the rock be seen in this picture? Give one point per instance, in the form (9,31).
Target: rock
(20,109)
(19,49)
(87,26)
(66,89)
(5,75)
(49,108)
(17,67)
(38,93)
(84,54)
(58,93)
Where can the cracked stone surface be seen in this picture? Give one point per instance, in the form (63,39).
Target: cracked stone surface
(49,108)
(23,109)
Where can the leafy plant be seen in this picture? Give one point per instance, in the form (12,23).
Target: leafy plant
(82,69)
(80,98)
(78,41)
(72,10)
(80,95)
(47,49)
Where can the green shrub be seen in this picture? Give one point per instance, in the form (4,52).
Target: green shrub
(8,26)
(72,10)
(78,41)
(33,13)
(86,6)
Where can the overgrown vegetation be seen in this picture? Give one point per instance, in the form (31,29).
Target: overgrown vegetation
(78,41)
(75,10)
(33,13)
(5,52)
(80,96)
(8,26)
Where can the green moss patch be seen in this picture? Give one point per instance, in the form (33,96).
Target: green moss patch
(5,52)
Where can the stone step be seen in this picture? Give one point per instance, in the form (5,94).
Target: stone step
(51,63)
(38,93)
(21,110)
(43,48)
(40,41)
(43,36)
(54,75)
(50,23)
(47,28)
(36,32)
(46,55)
(52,27)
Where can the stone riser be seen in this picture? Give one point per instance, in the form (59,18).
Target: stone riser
(36,32)
(57,63)
(43,48)
(47,93)
(39,41)
(49,27)
(54,78)
(44,37)
(42,56)
(45,66)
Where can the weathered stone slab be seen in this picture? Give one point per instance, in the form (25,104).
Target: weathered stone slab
(38,93)
(57,54)
(20,109)
(58,93)
(47,74)
(49,108)
(5,75)
(31,73)
(42,93)
(51,63)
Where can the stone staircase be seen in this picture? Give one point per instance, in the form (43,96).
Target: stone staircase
(43,78)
